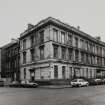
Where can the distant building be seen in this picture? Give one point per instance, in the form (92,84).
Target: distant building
(53,50)
(10,61)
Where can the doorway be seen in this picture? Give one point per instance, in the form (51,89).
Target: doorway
(32,74)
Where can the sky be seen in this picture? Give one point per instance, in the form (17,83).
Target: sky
(16,14)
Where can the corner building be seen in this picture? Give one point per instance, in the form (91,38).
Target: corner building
(53,50)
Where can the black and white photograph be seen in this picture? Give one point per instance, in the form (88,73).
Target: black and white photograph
(52,52)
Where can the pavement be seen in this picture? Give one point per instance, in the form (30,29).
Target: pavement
(55,86)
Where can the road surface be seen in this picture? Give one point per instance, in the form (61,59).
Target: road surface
(92,95)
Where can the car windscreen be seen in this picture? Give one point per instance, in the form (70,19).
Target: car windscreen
(75,80)
(81,80)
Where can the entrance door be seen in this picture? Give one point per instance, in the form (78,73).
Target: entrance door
(32,78)
(32,74)
(77,72)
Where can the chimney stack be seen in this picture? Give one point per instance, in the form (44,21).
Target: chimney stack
(13,40)
(78,27)
(30,26)
(98,38)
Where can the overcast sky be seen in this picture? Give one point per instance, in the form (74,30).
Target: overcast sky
(16,14)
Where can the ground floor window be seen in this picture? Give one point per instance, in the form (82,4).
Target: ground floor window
(24,73)
(63,72)
(90,73)
(87,72)
(103,74)
(55,71)
(70,72)
(77,72)
(32,74)
(83,72)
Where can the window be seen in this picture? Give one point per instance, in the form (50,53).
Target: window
(90,73)
(24,44)
(63,53)
(91,59)
(42,52)
(32,41)
(76,42)
(24,73)
(82,43)
(55,47)
(32,55)
(55,71)
(74,80)
(87,46)
(9,66)
(87,60)
(15,63)
(55,35)
(82,57)
(36,38)
(93,48)
(83,72)
(41,37)
(101,51)
(24,57)
(87,72)
(104,61)
(70,72)
(97,49)
(69,39)
(98,61)
(63,72)
(70,54)
(63,37)
(76,55)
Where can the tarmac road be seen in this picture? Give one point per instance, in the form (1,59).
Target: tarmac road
(92,95)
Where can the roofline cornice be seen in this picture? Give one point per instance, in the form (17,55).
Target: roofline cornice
(63,25)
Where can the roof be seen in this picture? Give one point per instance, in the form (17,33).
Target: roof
(8,45)
(67,26)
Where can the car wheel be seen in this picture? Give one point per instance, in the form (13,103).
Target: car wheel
(80,85)
(87,84)
(72,86)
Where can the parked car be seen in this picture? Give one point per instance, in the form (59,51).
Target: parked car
(98,81)
(103,81)
(14,84)
(28,84)
(79,82)
(1,83)
(92,82)
(95,81)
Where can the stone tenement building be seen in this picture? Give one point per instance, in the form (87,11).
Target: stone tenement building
(53,50)
(10,61)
